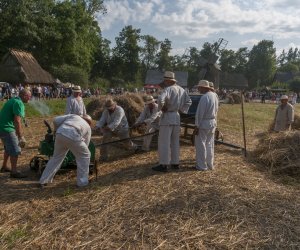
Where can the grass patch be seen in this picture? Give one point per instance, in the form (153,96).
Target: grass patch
(13,236)
(46,108)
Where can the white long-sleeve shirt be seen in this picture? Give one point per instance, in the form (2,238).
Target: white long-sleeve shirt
(116,121)
(284,117)
(149,116)
(175,98)
(74,127)
(206,114)
(75,105)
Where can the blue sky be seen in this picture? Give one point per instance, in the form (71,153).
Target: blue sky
(190,23)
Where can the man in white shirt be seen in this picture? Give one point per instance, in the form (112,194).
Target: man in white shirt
(75,104)
(284,116)
(73,133)
(172,100)
(113,122)
(149,118)
(206,123)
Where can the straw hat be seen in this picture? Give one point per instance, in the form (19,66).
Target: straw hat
(169,75)
(76,89)
(211,85)
(204,84)
(149,99)
(284,97)
(109,103)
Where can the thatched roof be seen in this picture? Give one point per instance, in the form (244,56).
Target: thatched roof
(155,77)
(19,66)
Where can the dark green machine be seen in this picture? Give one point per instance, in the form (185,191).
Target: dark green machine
(46,149)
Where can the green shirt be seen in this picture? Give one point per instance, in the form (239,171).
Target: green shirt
(13,107)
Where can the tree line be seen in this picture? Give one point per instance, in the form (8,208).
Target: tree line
(66,39)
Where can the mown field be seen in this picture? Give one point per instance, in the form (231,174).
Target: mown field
(239,205)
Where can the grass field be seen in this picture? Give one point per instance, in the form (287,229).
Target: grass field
(237,206)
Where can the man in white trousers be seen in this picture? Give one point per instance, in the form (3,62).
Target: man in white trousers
(75,104)
(73,133)
(149,118)
(172,101)
(206,123)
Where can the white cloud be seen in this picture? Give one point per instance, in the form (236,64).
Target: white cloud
(250,42)
(202,19)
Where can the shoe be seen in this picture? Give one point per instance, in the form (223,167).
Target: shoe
(201,169)
(41,186)
(160,168)
(175,166)
(4,170)
(138,150)
(17,175)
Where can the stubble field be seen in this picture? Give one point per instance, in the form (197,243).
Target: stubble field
(239,205)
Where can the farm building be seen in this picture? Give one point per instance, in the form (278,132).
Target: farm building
(285,76)
(233,80)
(19,66)
(155,77)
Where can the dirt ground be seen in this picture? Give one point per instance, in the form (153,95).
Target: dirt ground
(131,207)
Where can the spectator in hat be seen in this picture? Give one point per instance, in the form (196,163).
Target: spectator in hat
(172,101)
(149,118)
(284,115)
(205,126)
(73,133)
(113,122)
(75,104)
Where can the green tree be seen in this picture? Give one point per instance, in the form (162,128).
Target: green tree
(20,23)
(101,67)
(228,60)
(289,67)
(126,54)
(294,84)
(262,63)
(69,73)
(163,57)
(149,51)
(56,32)
(234,61)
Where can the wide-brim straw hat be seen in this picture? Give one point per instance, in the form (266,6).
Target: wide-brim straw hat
(169,75)
(110,103)
(204,84)
(149,99)
(76,89)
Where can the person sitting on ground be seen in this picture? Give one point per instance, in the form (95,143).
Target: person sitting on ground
(11,133)
(75,104)
(149,118)
(284,115)
(73,133)
(113,122)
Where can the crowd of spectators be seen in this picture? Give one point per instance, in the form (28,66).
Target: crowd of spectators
(44,92)
(49,92)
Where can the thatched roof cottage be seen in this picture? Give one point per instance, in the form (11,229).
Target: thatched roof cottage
(19,66)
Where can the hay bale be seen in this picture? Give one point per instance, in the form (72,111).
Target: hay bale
(236,97)
(132,104)
(279,152)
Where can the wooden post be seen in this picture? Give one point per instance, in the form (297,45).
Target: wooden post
(243,120)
